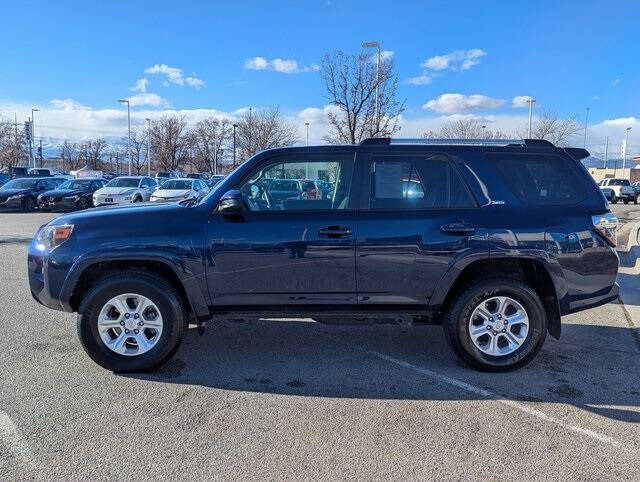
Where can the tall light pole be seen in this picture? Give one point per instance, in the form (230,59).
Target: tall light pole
(33,130)
(307,124)
(376,45)
(626,148)
(129,127)
(606,155)
(148,145)
(530,101)
(234,145)
(586,123)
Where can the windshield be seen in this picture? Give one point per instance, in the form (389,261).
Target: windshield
(124,182)
(20,184)
(163,174)
(176,184)
(74,185)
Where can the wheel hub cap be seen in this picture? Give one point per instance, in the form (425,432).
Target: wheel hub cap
(498,325)
(130,324)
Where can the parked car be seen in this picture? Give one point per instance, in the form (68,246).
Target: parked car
(45,172)
(507,237)
(621,190)
(175,190)
(636,189)
(280,189)
(197,175)
(125,190)
(17,172)
(163,176)
(21,193)
(214,179)
(71,195)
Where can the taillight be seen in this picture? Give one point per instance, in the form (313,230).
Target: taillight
(606,224)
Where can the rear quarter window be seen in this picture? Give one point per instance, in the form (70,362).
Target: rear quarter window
(540,179)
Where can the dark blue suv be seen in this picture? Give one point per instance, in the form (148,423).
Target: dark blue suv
(495,240)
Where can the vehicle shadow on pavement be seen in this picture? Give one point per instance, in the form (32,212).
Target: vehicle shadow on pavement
(592,367)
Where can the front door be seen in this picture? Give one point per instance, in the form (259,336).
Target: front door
(418,217)
(287,250)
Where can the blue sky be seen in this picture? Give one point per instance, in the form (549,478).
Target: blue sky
(568,55)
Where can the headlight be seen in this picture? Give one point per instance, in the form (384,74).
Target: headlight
(17,196)
(49,237)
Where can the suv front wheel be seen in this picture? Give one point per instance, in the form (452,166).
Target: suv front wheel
(496,324)
(132,321)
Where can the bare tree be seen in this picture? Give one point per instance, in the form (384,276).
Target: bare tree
(208,139)
(69,154)
(90,153)
(554,129)
(170,142)
(13,149)
(138,150)
(351,82)
(467,128)
(263,129)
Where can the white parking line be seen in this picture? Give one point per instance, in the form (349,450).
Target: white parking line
(10,437)
(510,403)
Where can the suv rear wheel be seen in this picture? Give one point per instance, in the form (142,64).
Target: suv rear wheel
(131,321)
(496,324)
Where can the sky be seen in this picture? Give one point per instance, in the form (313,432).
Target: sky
(73,60)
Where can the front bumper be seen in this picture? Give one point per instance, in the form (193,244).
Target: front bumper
(57,204)
(47,272)
(116,201)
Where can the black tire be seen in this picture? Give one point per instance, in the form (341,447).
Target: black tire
(29,204)
(166,298)
(83,203)
(626,201)
(457,318)
(635,200)
(137,199)
(614,199)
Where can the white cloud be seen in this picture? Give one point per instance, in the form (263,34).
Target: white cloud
(174,75)
(621,122)
(420,80)
(285,66)
(68,105)
(140,85)
(147,98)
(614,83)
(520,101)
(457,103)
(386,54)
(456,60)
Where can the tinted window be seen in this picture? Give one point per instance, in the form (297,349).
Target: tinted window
(417,184)
(540,180)
(283,186)
(20,184)
(619,182)
(75,184)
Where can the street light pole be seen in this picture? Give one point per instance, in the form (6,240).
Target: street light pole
(376,45)
(530,101)
(234,145)
(626,148)
(307,124)
(148,145)
(586,122)
(33,130)
(606,155)
(129,127)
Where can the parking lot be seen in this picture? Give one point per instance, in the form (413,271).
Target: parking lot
(291,398)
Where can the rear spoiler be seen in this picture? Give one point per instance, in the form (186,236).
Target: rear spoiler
(576,153)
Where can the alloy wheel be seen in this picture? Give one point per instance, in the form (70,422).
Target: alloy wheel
(498,326)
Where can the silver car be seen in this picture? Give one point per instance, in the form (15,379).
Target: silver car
(125,190)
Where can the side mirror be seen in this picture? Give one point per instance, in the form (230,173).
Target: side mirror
(231,203)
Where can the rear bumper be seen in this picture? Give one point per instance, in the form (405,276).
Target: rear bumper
(601,298)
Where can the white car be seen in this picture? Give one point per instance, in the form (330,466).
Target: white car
(124,190)
(620,190)
(178,189)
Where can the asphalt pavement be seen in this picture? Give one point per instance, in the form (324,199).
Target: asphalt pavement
(295,399)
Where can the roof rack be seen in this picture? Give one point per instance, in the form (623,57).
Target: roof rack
(385,141)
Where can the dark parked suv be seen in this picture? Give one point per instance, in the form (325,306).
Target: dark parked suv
(495,240)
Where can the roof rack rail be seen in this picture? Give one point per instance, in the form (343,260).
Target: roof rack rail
(385,141)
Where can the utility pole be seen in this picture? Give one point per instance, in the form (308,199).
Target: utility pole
(586,123)
(27,127)
(626,148)
(307,124)
(129,126)
(40,152)
(606,155)
(376,45)
(234,145)
(148,146)
(33,129)
(530,101)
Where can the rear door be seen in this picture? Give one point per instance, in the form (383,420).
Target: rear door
(418,219)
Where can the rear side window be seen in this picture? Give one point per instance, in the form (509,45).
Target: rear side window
(417,184)
(540,180)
